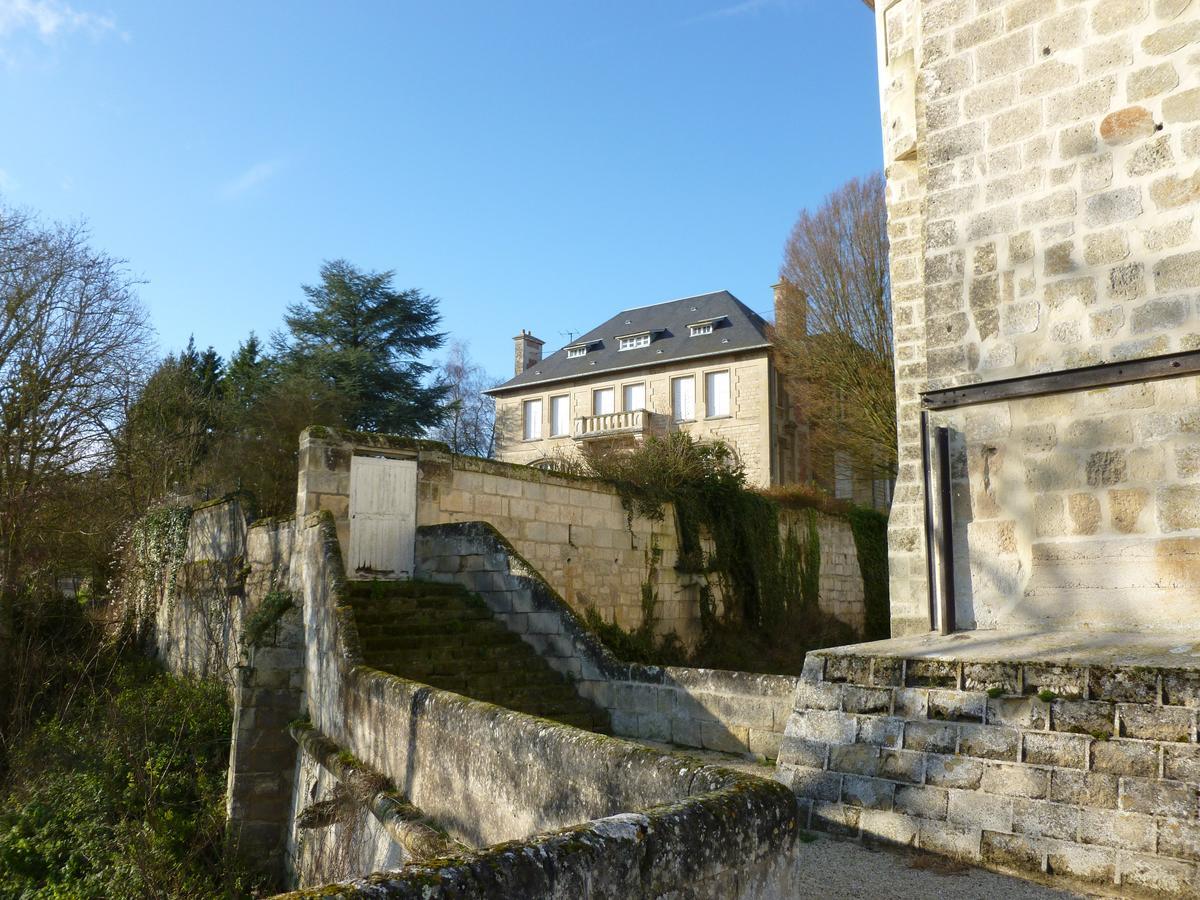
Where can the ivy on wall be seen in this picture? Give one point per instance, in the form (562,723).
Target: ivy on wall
(731,535)
(153,553)
(870,543)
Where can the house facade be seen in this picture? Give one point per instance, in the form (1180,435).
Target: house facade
(701,365)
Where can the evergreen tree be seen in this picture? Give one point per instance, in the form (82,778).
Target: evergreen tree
(363,339)
(248,375)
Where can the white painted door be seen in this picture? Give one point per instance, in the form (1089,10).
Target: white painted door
(383,517)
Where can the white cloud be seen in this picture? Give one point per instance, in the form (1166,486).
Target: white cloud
(49,18)
(745,7)
(251,178)
(7,182)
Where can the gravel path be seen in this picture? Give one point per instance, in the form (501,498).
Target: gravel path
(831,868)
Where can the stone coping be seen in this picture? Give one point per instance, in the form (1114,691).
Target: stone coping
(1178,649)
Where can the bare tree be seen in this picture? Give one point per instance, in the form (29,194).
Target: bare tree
(71,330)
(835,328)
(470,423)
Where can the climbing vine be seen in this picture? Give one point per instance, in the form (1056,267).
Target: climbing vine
(641,644)
(730,535)
(266,617)
(870,543)
(708,493)
(153,552)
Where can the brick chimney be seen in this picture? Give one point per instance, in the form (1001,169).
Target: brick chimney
(791,309)
(527,351)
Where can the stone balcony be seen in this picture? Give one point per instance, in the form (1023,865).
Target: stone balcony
(636,423)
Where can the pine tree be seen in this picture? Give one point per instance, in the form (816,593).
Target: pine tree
(247,377)
(365,340)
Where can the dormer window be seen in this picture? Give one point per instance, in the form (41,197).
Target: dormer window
(704,326)
(633,341)
(578,351)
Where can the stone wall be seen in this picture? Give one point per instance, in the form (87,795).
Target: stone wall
(1080,509)
(1086,770)
(748,430)
(841,592)
(228,569)
(198,618)
(1043,163)
(650,822)
(733,712)
(574,531)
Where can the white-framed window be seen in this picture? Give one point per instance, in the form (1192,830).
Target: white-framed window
(633,341)
(699,330)
(633,396)
(604,401)
(576,352)
(716,393)
(533,420)
(560,415)
(683,398)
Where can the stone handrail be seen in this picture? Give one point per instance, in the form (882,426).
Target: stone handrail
(611,423)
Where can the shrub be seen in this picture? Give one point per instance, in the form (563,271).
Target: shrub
(123,794)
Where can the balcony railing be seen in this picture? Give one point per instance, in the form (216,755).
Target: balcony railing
(634,422)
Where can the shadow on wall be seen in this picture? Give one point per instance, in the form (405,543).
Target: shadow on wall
(732,712)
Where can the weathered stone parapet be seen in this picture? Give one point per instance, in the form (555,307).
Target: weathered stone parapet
(733,712)
(404,823)
(652,822)
(1070,764)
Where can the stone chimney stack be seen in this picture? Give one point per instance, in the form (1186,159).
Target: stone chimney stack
(791,309)
(527,351)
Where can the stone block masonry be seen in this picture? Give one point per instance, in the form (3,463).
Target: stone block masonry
(228,570)
(731,712)
(559,812)
(1087,770)
(574,531)
(1043,163)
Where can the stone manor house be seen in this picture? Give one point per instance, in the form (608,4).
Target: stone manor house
(699,364)
(704,365)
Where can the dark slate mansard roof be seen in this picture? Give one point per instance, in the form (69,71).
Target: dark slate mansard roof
(741,329)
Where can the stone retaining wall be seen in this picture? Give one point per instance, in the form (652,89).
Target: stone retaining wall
(1084,772)
(651,823)
(840,589)
(575,531)
(227,571)
(734,712)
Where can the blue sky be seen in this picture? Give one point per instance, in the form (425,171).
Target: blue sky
(534,165)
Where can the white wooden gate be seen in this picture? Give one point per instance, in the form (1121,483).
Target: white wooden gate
(383,517)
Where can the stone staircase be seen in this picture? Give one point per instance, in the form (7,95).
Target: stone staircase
(442,635)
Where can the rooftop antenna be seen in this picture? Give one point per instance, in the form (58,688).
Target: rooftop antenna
(569,335)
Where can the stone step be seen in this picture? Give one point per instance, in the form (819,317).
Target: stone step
(447,638)
(381,615)
(451,626)
(357,590)
(402,635)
